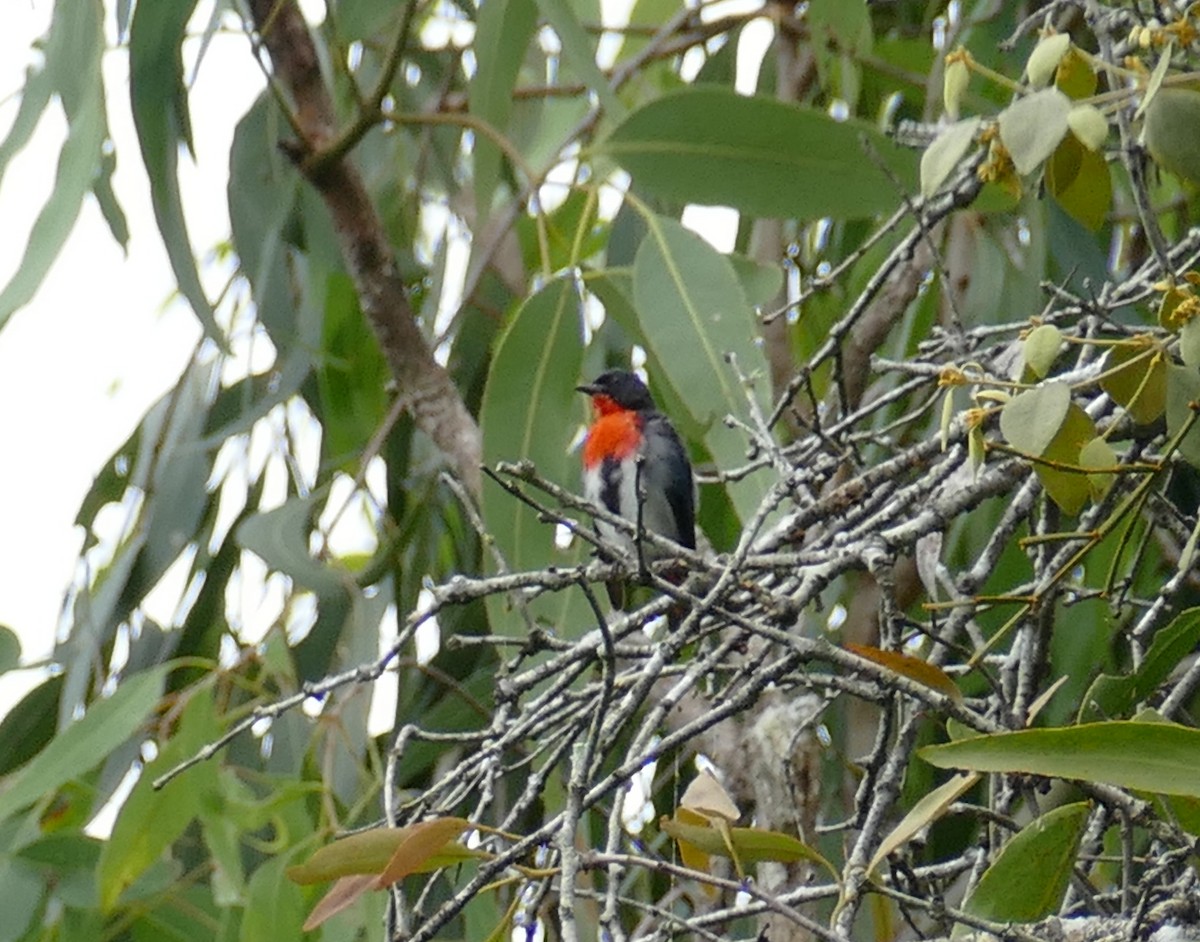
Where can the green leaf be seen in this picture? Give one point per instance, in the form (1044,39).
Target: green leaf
(1099,454)
(1079,179)
(942,156)
(30,725)
(1189,343)
(502,33)
(352,377)
(21,890)
(650,13)
(1137,379)
(1068,488)
(1027,880)
(149,820)
(1111,697)
(1030,420)
(763,157)
(693,314)
(1183,388)
(1172,131)
(274,906)
(531,412)
(752,845)
(761,281)
(1160,758)
(262,198)
(1040,349)
(928,809)
(1076,76)
(160,114)
(106,197)
(10,649)
(1031,127)
(86,742)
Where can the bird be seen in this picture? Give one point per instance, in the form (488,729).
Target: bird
(628,427)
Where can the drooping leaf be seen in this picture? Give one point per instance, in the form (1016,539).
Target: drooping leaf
(1040,349)
(1066,485)
(1087,122)
(707,797)
(579,53)
(1098,453)
(280,538)
(1043,61)
(30,724)
(160,114)
(10,649)
(424,844)
(1189,343)
(1075,76)
(1154,757)
(1080,180)
(764,157)
(344,893)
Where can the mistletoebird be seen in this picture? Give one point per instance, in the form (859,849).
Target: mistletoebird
(628,427)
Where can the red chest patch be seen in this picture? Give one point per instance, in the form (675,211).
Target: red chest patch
(615,435)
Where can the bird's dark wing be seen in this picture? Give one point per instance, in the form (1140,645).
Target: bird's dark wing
(670,470)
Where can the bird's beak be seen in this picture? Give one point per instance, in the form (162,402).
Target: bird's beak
(590,388)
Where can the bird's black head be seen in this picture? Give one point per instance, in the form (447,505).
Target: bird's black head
(620,387)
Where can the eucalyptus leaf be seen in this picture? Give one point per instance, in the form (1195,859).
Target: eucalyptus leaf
(764,157)
(1160,758)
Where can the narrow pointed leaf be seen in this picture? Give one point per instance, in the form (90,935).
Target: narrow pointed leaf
(1153,757)
(160,114)
(929,809)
